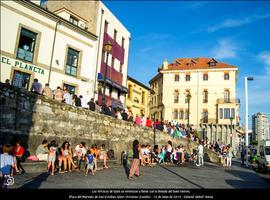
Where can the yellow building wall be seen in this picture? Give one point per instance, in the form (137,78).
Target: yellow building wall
(134,100)
(215,85)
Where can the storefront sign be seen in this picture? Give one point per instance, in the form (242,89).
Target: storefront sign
(22,65)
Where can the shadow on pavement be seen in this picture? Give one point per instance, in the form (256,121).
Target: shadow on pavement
(126,170)
(181,177)
(36,182)
(249,180)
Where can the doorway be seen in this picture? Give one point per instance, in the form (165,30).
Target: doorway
(21,79)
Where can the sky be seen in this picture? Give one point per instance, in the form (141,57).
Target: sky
(237,33)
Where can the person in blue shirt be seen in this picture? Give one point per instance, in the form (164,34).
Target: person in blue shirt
(90,162)
(6,164)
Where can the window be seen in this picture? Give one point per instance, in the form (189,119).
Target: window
(175,114)
(205,77)
(226,96)
(176,77)
(205,96)
(110,91)
(176,96)
(221,113)
(121,67)
(106,27)
(232,113)
(143,97)
(181,114)
(112,65)
(226,113)
(72,62)
(21,79)
(26,46)
(115,35)
(129,91)
(186,114)
(187,77)
(73,20)
(123,42)
(212,63)
(205,116)
(118,94)
(71,88)
(226,76)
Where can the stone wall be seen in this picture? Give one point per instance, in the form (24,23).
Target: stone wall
(32,118)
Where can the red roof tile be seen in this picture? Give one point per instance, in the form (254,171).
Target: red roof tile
(196,63)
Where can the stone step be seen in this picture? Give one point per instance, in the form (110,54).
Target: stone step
(41,166)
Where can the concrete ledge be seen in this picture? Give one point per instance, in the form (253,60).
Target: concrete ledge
(41,166)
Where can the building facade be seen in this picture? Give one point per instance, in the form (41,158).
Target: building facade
(107,27)
(36,43)
(137,99)
(260,127)
(213,107)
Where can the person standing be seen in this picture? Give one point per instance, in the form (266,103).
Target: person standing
(200,154)
(58,96)
(77,101)
(137,120)
(92,105)
(47,91)
(143,121)
(148,122)
(67,97)
(36,87)
(229,156)
(98,108)
(134,168)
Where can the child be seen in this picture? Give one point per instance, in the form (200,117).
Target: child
(52,156)
(6,164)
(90,162)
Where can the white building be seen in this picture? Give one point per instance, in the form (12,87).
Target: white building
(101,21)
(36,43)
(260,126)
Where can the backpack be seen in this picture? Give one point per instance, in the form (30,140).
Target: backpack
(110,154)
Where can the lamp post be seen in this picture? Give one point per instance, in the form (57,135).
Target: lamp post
(231,119)
(246,96)
(107,49)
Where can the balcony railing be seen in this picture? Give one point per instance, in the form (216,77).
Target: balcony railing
(234,101)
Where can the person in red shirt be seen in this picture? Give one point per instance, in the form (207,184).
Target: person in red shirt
(18,153)
(148,122)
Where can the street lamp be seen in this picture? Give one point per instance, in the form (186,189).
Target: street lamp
(107,49)
(246,96)
(231,119)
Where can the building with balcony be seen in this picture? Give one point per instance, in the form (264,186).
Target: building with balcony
(37,43)
(137,99)
(260,127)
(95,16)
(212,86)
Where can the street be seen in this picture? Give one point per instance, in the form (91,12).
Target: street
(211,176)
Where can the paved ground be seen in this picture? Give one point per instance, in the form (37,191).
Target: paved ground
(163,176)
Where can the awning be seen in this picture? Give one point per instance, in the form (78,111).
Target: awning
(112,83)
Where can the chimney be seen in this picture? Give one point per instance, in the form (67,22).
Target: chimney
(165,64)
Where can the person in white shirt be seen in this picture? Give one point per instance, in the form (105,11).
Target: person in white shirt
(200,154)
(67,97)
(143,121)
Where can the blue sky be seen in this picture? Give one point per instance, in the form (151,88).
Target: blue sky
(234,32)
